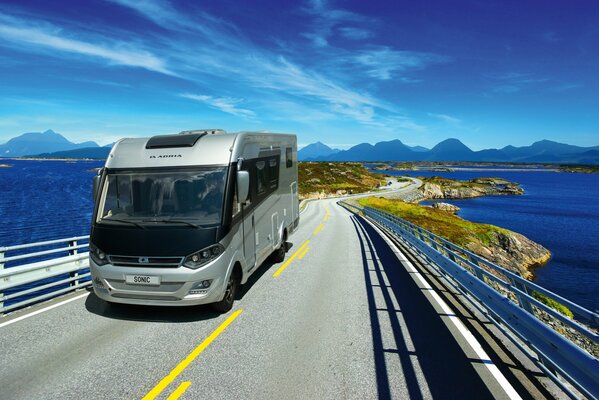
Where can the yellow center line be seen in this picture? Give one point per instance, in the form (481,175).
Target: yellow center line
(290,259)
(318,229)
(180,390)
(303,253)
(192,356)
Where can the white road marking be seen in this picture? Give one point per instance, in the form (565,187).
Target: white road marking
(466,334)
(41,310)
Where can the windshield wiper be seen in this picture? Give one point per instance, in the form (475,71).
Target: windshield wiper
(172,221)
(125,221)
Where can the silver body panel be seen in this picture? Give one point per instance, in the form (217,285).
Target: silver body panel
(260,232)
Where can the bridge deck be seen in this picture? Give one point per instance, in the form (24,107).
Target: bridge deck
(345,319)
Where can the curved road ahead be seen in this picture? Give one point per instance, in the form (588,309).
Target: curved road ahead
(346,316)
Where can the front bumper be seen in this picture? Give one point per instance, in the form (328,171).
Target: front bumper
(109,284)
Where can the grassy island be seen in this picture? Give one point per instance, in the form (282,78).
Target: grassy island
(508,249)
(322,179)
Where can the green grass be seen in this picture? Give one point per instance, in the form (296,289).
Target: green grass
(442,223)
(559,307)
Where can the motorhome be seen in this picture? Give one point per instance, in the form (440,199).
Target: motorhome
(185,219)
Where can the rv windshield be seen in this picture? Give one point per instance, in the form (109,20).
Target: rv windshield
(165,196)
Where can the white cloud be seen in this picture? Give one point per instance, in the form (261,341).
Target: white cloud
(352,33)
(225,104)
(204,51)
(326,20)
(22,33)
(382,62)
(445,118)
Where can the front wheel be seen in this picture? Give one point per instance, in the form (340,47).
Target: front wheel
(226,303)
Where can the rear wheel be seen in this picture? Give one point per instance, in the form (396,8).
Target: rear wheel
(279,254)
(226,303)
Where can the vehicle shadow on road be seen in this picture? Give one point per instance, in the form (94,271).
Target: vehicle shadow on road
(255,278)
(97,306)
(419,341)
(131,312)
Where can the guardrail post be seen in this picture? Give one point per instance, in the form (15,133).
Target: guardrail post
(1,293)
(522,301)
(73,251)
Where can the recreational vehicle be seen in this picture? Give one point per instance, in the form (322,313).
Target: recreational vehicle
(186,219)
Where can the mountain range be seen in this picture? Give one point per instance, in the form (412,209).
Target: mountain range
(544,151)
(51,145)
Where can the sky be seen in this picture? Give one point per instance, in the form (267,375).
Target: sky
(490,73)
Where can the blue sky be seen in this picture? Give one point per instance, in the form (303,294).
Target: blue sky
(489,73)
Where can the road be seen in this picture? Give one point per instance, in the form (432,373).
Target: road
(342,317)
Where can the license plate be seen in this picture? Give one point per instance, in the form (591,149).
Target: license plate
(142,280)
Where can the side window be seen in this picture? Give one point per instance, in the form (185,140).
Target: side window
(261,180)
(288,157)
(273,173)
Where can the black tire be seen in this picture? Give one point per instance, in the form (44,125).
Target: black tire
(226,303)
(278,255)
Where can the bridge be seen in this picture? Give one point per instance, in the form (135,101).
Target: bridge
(364,306)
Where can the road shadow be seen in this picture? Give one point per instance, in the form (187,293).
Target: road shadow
(443,365)
(131,312)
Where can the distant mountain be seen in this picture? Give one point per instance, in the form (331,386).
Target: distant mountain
(382,151)
(87,152)
(418,149)
(39,142)
(451,150)
(314,151)
(544,151)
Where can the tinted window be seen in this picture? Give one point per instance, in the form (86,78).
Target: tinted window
(262,180)
(288,157)
(161,196)
(273,173)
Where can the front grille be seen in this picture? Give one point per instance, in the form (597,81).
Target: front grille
(144,297)
(154,262)
(166,287)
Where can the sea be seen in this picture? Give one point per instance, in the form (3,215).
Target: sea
(46,199)
(559,210)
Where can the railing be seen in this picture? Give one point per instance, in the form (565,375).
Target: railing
(508,299)
(52,268)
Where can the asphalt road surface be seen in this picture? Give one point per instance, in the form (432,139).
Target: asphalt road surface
(342,317)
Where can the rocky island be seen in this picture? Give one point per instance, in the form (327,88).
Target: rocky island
(442,188)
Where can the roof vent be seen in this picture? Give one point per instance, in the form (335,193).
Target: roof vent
(204,131)
(170,141)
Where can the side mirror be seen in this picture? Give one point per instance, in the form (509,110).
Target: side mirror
(243,186)
(96,186)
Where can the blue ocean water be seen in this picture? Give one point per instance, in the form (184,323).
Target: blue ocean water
(558,210)
(45,200)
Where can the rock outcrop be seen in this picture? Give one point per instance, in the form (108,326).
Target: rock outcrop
(446,207)
(512,251)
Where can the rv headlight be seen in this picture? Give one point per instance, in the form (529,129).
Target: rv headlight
(97,255)
(204,256)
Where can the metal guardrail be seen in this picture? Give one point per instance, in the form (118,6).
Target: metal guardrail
(55,267)
(508,299)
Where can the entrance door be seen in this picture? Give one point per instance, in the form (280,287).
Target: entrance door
(249,239)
